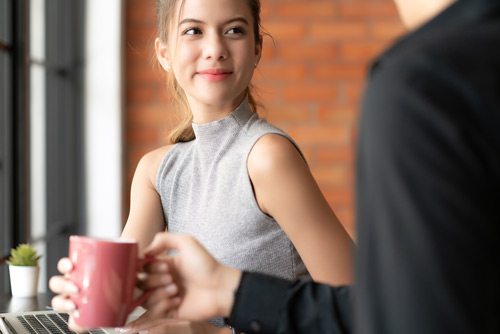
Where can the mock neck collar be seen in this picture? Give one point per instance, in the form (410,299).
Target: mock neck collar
(213,130)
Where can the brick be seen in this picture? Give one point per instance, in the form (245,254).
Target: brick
(339,72)
(149,114)
(265,11)
(141,13)
(318,134)
(132,2)
(364,10)
(143,56)
(361,50)
(332,175)
(388,30)
(306,52)
(134,93)
(340,195)
(140,35)
(286,113)
(143,74)
(339,30)
(163,94)
(354,92)
(265,92)
(342,113)
(285,30)
(268,49)
(310,92)
(280,72)
(142,134)
(308,9)
(328,155)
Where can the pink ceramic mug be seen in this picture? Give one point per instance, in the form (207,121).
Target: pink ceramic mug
(105,271)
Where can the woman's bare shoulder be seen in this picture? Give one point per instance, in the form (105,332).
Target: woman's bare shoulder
(151,161)
(273,151)
(156,156)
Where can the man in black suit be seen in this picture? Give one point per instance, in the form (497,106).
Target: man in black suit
(428,176)
(428,200)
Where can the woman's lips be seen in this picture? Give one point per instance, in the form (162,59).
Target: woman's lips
(215,74)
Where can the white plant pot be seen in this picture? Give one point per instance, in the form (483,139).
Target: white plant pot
(24,280)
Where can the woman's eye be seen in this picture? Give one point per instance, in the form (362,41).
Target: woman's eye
(192,31)
(236,30)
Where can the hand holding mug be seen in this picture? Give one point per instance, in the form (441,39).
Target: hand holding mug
(98,286)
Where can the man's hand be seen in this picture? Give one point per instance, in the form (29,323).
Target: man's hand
(202,288)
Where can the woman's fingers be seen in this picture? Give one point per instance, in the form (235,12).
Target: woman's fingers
(63,304)
(66,305)
(61,285)
(64,265)
(76,328)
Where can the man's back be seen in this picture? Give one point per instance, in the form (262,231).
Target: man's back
(429,180)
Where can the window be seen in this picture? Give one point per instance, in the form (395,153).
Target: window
(13,144)
(41,127)
(64,126)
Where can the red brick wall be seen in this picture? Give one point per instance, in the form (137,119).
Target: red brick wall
(310,80)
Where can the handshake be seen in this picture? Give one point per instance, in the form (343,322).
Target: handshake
(190,285)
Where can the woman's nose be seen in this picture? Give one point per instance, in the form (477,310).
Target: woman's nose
(215,47)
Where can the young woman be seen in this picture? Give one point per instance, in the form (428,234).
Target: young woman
(239,185)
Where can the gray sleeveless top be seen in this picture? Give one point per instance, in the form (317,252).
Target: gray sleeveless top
(206,192)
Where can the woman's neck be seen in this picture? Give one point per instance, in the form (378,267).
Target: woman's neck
(206,113)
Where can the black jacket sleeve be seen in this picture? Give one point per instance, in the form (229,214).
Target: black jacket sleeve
(265,304)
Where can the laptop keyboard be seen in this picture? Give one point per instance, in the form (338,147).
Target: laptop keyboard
(50,323)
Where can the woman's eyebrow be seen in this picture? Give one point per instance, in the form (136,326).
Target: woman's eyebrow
(236,19)
(190,21)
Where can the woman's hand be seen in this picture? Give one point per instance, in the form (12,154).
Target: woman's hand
(64,288)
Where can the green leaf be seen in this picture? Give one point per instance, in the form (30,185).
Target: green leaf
(23,255)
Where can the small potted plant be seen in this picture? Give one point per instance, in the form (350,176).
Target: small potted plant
(24,271)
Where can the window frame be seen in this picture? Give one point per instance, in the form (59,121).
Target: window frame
(65,147)
(14,198)
(62,136)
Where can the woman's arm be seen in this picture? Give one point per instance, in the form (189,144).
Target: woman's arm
(144,221)
(286,190)
(146,214)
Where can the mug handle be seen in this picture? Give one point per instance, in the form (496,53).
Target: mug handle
(141,263)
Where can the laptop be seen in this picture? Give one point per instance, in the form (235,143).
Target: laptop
(47,322)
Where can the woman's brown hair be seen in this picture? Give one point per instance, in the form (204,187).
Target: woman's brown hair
(183,131)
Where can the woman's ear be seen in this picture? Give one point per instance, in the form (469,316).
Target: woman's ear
(162,54)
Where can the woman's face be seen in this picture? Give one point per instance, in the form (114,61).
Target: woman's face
(213,52)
